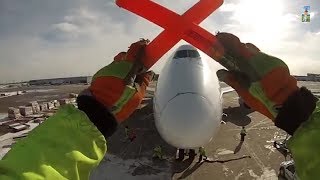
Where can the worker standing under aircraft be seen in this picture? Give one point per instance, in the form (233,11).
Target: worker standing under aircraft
(243,133)
(126,131)
(158,153)
(132,135)
(71,143)
(202,154)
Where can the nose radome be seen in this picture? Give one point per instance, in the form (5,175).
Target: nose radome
(187,121)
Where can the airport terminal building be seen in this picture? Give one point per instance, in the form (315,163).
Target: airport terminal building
(309,77)
(59,81)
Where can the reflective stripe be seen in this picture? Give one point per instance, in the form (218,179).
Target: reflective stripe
(118,69)
(262,64)
(257,91)
(202,151)
(127,94)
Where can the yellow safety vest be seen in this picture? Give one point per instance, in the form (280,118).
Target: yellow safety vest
(202,151)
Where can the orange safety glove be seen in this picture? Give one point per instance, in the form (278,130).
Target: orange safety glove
(264,82)
(141,83)
(111,99)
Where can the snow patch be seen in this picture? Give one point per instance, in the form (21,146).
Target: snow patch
(267,174)
(270,147)
(3,115)
(238,176)
(224,151)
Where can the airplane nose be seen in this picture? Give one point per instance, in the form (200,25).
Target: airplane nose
(188,121)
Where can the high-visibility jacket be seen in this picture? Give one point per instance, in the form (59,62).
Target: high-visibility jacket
(69,146)
(65,146)
(243,132)
(157,151)
(202,151)
(305,147)
(121,98)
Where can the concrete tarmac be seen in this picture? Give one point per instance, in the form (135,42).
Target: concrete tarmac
(255,158)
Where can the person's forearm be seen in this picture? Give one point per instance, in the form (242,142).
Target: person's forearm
(66,146)
(305,147)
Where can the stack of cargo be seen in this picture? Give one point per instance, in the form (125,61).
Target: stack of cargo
(13,113)
(73,95)
(38,120)
(64,101)
(73,101)
(38,111)
(35,107)
(25,110)
(56,103)
(43,106)
(50,105)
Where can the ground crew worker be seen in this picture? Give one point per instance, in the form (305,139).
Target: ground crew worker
(243,133)
(157,152)
(71,143)
(265,84)
(202,154)
(132,135)
(126,131)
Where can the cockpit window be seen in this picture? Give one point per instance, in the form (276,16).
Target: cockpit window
(181,54)
(186,53)
(193,53)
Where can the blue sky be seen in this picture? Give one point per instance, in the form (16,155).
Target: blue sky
(45,39)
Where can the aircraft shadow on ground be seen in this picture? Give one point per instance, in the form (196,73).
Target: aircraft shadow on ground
(237,115)
(147,136)
(180,166)
(142,121)
(147,139)
(189,171)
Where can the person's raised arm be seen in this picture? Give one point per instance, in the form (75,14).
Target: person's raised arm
(72,142)
(265,84)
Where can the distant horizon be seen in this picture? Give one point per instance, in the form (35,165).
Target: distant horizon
(26,81)
(23,81)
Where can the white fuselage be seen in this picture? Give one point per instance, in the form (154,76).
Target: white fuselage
(187,101)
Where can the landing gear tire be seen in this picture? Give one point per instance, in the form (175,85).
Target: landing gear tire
(180,154)
(192,154)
